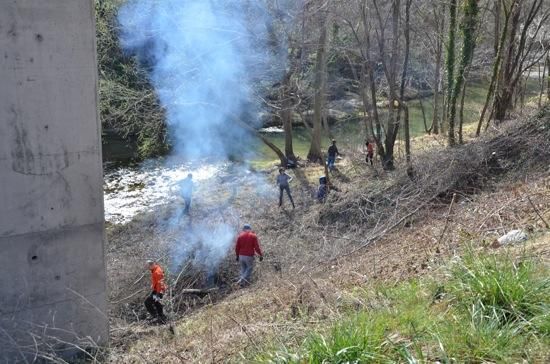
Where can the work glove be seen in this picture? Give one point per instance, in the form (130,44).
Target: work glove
(261,258)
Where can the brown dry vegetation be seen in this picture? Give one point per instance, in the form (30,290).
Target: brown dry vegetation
(378,226)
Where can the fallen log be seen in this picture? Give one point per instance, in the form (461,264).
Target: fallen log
(198,290)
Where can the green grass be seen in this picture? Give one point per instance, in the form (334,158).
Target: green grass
(507,290)
(486,308)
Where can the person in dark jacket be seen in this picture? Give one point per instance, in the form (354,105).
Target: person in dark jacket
(153,303)
(246,248)
(322,192)
(283,180)
(332,153)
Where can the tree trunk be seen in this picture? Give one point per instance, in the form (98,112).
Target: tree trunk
(369,77)
(496,68)
(407,134)
(468,27)
(315,153)
(439,13)
(394,103)
(451,104)
(406,32)
(503,102)
(518,52)
(390,71)
(437,85)
(541,82)
(504,97)
(428,130)
(272,146)
(286,113)
(378,125)
(443,124)
(497,13)
(548,77)
(461,116)
(523,89)
(367,117)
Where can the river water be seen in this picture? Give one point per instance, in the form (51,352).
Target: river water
(134,189)
(143,187)
(129,190)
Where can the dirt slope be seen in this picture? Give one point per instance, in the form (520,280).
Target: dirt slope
(378,226)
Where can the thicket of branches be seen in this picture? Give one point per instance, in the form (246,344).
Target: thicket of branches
(128,103)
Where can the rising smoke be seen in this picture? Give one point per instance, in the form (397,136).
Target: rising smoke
(203,57)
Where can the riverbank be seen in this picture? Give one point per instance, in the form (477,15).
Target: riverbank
(349,129)
(321,258)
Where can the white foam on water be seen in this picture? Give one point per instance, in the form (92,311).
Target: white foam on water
(129,191)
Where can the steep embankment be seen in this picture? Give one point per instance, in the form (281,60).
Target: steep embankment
(337,265)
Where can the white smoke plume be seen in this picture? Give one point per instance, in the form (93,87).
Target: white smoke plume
(203,57)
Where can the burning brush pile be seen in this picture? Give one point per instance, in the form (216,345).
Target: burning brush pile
(194,256)
(204,76)
(195,249)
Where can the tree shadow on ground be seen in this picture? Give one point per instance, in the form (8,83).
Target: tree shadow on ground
(340,176)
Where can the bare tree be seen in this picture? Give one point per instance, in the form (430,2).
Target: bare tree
(428,27)
(439,19)
(468,27)
(403,107)
(497,12)
(451,69)
(315,153)
(519,50)
(390,71)
(516,60)
(498,59)
(286,117)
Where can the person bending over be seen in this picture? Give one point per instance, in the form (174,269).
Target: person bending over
(153,303)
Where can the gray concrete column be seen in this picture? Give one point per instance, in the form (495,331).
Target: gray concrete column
(52,270)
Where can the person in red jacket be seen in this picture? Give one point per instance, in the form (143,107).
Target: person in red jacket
(245,249)
(370,151)
(153,303)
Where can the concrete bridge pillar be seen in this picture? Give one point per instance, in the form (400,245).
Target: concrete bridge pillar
(52,270)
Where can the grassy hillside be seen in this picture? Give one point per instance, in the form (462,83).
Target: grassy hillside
(483,307)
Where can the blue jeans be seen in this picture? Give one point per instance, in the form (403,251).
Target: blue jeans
(330,162)
(287,189)
(187,201)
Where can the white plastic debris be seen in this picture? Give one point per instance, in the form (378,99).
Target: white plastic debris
(512,237)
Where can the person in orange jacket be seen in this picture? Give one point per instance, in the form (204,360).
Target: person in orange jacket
(153,303)
(245,249)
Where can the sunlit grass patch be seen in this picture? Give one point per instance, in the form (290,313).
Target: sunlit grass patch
(486,308)
(509,290)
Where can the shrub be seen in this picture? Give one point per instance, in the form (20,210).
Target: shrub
(501,288)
